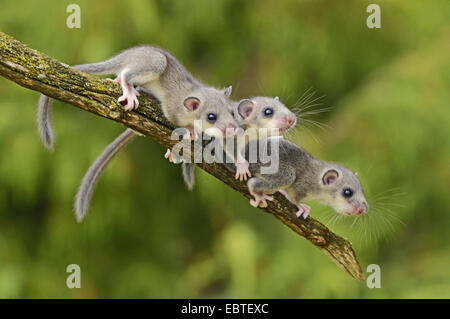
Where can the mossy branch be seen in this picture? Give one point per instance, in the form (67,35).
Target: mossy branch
(34,70)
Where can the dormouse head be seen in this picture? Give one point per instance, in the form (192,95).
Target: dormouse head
(266,112)
(210,110)
(342,190)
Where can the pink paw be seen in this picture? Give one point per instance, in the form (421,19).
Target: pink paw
(117,80)
(170,157)
(130,95)
(260,200)
(303,210)
(242,171)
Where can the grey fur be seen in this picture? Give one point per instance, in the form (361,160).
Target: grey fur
(45,122)
(254,120)
(159,72)
(86,189)
(300,175)
(297,169)
(188,175)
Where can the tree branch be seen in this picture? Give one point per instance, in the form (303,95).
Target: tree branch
(34,70)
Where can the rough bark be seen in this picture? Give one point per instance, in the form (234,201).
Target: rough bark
(36,71)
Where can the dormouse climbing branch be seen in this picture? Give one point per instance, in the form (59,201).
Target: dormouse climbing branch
(36,71)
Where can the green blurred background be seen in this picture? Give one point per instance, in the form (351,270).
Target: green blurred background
(147,236)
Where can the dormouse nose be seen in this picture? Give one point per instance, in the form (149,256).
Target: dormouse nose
(290,120)
(363,208)
(229,130)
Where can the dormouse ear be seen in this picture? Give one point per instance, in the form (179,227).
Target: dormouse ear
(191,103)
(277,98)
(227,91)
(245,108)
(330,177)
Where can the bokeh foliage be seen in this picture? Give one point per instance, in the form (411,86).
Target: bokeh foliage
(147,236)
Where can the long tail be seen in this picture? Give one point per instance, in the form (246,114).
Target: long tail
(45,103)
(89,181)
(110,66)
(188,174)
(45,122)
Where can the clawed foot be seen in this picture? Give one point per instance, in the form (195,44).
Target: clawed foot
(242,171)
(130,95)
(260,200)
(303,210)
(170,157)
(117,80)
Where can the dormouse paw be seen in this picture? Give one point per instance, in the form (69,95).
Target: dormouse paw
(303,210)
(131,97)
(117,80)
(260,200)
(242,171)
(169,155)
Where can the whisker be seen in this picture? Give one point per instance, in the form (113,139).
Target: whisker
(306,92)
(309,102)
(388,212)
(303,107)
(354,222)
(314,112)
(300,99)
(307,95)
(319,125)
(389,192)
(383,204)
(387,196)
(310,132)
(306,101)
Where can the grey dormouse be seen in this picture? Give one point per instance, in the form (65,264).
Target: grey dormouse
(281,118)
(183,99)
(255,113)
(302,177)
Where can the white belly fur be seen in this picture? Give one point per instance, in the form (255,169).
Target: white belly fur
(156,89)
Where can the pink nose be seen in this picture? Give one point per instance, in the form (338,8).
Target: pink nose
(229,130)
(362,209)
(289,121)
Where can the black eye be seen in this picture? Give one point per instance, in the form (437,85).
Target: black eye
(268,112)
(347,193)
(212,118)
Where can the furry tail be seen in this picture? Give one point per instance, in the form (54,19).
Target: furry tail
(84,195)
(45,122)
(109,66)
(188,175)
(45,103)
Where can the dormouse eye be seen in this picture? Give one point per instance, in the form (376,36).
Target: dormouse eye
(268,112)
(211,117)
(347,193)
